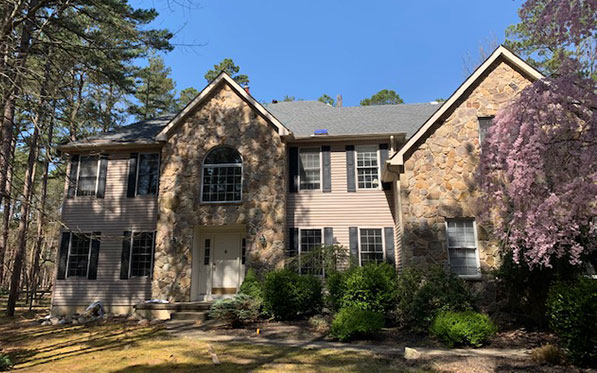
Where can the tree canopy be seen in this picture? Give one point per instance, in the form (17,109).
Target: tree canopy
(383,97)
(154,91)
(186,96)
(228,66)
(326,99)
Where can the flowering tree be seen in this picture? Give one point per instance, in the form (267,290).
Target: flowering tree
(538,167)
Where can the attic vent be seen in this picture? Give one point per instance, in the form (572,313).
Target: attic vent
(320,132)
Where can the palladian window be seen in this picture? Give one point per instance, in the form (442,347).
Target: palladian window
(222,176)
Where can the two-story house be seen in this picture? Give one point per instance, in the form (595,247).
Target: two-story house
(178,207)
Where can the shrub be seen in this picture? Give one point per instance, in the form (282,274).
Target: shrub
(241,309)
(547,354)
(335,286)
(353,322)
(5,363)
(463,328)
(252,286)
(371,287)
(422,294)
(287,295)
(572,314)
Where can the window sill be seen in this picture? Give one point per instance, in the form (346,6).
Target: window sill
(221,203)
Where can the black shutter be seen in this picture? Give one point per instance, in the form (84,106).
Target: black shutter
(72,176)
(389,237)
(327,169)
(126,255)
(328,236)
(293,169)
(293,241)
(350,170)
(103,170)
(383,157)
(94,256)
(63,255)
(132,184)
(153,255)
(353,236)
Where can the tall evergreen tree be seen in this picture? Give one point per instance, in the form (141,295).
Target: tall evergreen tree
(228,66)
(383,97)
(186,96)
(155,91)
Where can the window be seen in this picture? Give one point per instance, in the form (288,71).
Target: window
(371,245)
(309,240)
(88,175)
(148,174)
(309,168)
(142,254)
(462,247)
(206,251)
(222,176)
(244,251)
(367,170)
(484,124)
(78,255)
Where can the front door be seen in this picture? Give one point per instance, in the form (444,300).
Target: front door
(226,265)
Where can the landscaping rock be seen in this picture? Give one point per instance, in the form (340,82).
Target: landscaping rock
(155,322)
(143,322)
(54,320)
(46,323)
(411,353)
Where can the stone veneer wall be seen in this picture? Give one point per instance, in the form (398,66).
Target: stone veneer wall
(223,119)
(438,179)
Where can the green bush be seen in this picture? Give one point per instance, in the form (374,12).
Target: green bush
(371,287)
(466,328)
(572,314)
(252,286)
(5,363)
(288,295)
(422,294)
(237,311)
(334,283)
(353,322)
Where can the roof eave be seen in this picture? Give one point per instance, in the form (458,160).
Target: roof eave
(73,148)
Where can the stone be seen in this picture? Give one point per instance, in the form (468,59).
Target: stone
(54,320)
(46,323)
(143,322)
(411,354)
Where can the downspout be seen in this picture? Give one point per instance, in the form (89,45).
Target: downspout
(398,207)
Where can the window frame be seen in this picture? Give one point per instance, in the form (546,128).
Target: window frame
(356,166)
(70,244)
(97,173)
(299,252)
(383,243)
(223,165)
(320,169)
(491,117)
(477,256)
(157,191)
(132,239)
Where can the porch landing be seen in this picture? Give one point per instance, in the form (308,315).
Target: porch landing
(177,310)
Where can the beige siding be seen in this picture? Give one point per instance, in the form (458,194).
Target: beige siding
(111,216)
(340,209)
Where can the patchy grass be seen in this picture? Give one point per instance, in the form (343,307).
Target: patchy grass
(119,347)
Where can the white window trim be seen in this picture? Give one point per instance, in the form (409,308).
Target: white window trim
(356,166)
(320,170)
(137,174)
(97,173)
(70,243)
(242,178)
(383,242)
(465,277)
(131,254)
(300,241)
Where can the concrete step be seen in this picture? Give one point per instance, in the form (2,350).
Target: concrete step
(197,316)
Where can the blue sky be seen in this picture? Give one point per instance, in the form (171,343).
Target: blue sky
(355,48)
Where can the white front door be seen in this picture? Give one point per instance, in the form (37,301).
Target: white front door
(226,264)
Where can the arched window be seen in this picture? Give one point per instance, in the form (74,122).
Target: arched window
(222,176)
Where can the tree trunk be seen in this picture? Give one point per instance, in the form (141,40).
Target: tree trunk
(7,213)
(21,243)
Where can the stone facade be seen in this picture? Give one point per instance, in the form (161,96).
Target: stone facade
(438,179)
(223,119)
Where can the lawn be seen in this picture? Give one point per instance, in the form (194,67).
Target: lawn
(125,346)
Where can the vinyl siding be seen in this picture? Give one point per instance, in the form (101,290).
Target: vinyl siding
(340,209)
(111,215)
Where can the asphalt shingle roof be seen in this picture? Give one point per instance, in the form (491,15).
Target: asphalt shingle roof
(303,118)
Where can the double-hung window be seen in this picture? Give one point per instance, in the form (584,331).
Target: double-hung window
(222,176)
(78,255)
(367,167)
(148,174)
(310,168)
(371,245)
(141,254)
(463,254)
(310,257)
(484,124)
(88,175)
